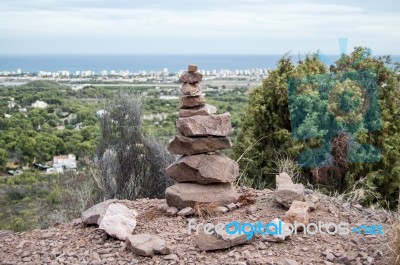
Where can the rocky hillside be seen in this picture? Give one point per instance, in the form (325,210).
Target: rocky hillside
(160,235)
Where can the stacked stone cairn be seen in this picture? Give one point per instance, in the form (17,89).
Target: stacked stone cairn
(203,175)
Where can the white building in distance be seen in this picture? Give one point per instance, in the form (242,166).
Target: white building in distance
(39,104)
(64,162)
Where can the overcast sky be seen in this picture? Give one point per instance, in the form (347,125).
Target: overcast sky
(196,27)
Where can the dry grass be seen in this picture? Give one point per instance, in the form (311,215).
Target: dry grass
(283,163)
(394,239)
(152,213)
(206,210)
(394,243)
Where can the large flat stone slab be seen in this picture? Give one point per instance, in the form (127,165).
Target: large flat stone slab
(213,125)
(192,101)
(199,110)
(190,77)
(204,169)
(190,89)
(182,195)
(182,145)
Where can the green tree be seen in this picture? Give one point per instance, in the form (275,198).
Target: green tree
(3,158)
(266,133)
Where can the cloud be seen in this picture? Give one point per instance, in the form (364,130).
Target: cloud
(246,26)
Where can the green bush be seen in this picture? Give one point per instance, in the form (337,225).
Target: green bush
(266,134)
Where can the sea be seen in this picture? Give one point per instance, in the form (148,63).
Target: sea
(135,63)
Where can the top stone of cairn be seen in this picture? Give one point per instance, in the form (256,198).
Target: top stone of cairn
(191,76)
(192,68)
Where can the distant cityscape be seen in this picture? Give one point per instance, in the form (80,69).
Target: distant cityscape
(163,76)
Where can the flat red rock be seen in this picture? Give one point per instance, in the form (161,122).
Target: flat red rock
(199,110)
(204,169)
(192,101)
(182,195)
(190,77)
(213,125)
(182,145)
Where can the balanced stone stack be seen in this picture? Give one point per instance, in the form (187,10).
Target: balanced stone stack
(203,175)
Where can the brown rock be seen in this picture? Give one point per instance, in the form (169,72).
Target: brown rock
(214,125)
(287,194)
(204,169)
(220,240)
(171,257)
(192,101)
(94,214)
(190,89)
(191,77)
(277,237)
(286,191)
(298,212)
(186,211)
(22,244)
(231,207)
(192,68)
(47,235)
(291,262)
(262,246)
(26,259)
(199,110)
(182,145)
(172,211)
(183,195)
(283,179)
(312,200)
(94,256)
(119,221)
(345,260)
(252,209)
(147,245)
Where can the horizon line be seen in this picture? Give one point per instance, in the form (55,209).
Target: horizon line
(182,54)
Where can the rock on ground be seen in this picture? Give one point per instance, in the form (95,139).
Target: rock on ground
(119,221)
(286,191)
(220,240)
(94,214)
(172,211)
(276,236)
(312,200)
(147,245)
(297,213)
(186,211)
